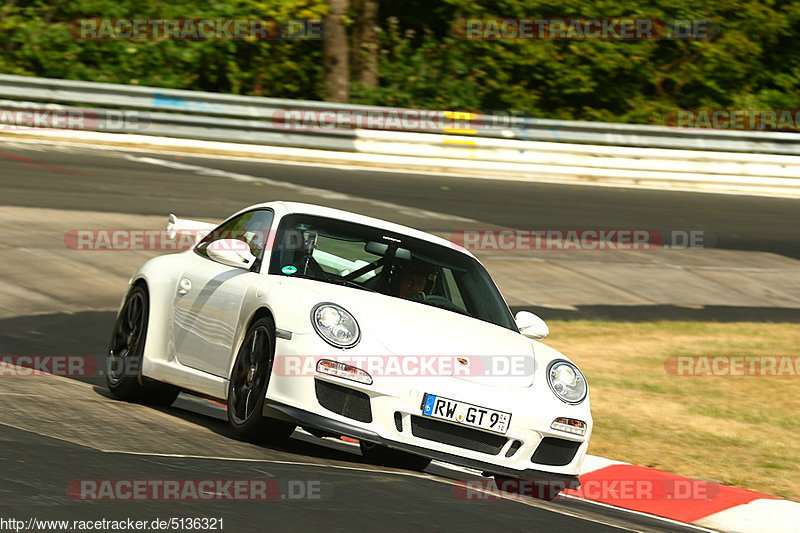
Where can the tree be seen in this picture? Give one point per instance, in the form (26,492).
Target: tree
(365,45)
(409,54)
(335,53)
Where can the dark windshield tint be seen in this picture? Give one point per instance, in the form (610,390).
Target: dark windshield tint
(371,259)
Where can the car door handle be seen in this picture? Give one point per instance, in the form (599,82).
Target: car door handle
(184,286)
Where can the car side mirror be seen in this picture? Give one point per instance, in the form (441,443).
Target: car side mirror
(231,252)
(531,325)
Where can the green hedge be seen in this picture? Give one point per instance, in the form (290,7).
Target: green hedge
(753,63)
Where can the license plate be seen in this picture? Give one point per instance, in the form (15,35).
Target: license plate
(466,413)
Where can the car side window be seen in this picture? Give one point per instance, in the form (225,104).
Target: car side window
(252,228)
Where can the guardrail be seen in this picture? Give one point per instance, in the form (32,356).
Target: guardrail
(750,161)
(199,104)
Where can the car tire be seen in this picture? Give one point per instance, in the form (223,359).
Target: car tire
(248,384)
(382,455)
(125,352)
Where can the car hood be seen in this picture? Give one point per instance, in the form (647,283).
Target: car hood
(494,355)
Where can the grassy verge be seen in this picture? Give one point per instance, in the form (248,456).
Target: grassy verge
(742,431)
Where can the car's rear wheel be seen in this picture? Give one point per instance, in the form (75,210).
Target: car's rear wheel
(248,387)
(382,455)
(125,352)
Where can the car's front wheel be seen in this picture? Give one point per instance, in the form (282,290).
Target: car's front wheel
(125,352)
(248,387)
(382,455)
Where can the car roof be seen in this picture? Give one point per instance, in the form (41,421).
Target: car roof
(339,214)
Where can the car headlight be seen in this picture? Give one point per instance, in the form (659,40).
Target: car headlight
(566,381)
(335,325)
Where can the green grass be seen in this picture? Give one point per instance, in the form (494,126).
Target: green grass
(737,430)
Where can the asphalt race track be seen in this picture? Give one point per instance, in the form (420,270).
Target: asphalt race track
(107,182)
(55,430)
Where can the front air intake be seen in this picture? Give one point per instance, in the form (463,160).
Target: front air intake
(343,400)
(555,452)
(459,436)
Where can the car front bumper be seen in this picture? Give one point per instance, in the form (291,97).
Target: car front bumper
(308,419)
(394,415)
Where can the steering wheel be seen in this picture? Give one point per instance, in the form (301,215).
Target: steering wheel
(416,296)
(441,301)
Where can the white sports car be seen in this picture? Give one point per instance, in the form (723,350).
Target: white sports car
(347,325)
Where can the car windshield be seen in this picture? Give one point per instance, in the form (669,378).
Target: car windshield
(372,259)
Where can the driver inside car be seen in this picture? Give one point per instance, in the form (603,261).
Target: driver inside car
(413,282)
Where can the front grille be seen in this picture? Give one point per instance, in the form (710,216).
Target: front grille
(343,400)
(555,452)
(398,421)
(459,436)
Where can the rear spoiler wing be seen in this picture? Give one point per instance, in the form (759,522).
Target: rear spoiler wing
(185,226)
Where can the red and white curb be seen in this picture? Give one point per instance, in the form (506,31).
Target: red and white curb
(691,501)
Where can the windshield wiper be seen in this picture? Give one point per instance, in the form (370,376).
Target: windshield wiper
(450,307)
(346,283)
(335,281)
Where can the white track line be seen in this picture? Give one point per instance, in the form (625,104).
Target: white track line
(85,146)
